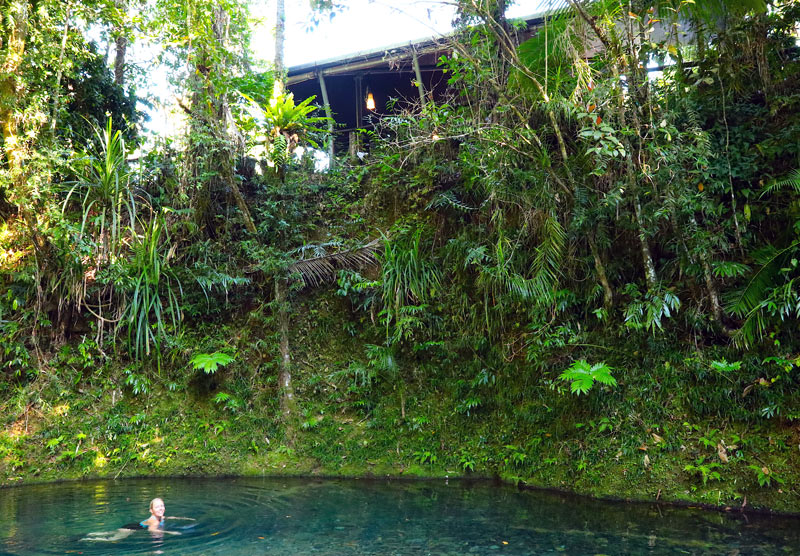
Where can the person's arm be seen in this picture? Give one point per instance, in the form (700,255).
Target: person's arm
(185,518)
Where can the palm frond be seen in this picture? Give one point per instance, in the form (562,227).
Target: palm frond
(550,53)
(792,181)
(323,269)
(753,293)
(750,303)
(710,12)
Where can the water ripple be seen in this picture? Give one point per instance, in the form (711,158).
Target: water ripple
(281,516)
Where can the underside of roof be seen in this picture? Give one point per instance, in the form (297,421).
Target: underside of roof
(387,73)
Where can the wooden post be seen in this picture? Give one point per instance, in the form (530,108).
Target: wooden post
(418,73)
(353,146)
(329,114)
(359,101)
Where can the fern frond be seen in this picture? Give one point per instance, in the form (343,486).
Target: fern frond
(546,265)
(582,376)
(729,269)
(476,256)
(448,199)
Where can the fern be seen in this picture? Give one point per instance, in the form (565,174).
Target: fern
(648,311)
(547,262)
(476,255)
(729,269)
(210,279)
(279,153)
(448,199)
(582,376)
(210,362)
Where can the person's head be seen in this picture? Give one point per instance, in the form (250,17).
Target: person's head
(157,507)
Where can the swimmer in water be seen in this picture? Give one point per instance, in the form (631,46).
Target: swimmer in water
(154,524)
(156,519)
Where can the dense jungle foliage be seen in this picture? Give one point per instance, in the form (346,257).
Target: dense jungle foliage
(578,270)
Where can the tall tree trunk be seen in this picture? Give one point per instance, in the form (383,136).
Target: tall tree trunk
(280,38)
(713,295)
(10,86)
(229,131)
(608,293)
(211,111)
(631,118)
(285,373)
(59,73)
(230,179)
(711,286)
(121,44)
(647,257)
(11,94)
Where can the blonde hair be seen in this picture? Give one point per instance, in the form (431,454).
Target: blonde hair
(153,501)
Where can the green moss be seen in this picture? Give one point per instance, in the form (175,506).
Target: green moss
(634,442)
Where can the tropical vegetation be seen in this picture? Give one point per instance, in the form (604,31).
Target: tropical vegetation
(579,269)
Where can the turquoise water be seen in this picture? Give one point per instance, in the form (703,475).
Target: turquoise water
(327,517)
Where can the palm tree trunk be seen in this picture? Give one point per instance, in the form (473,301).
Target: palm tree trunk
(285,373)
